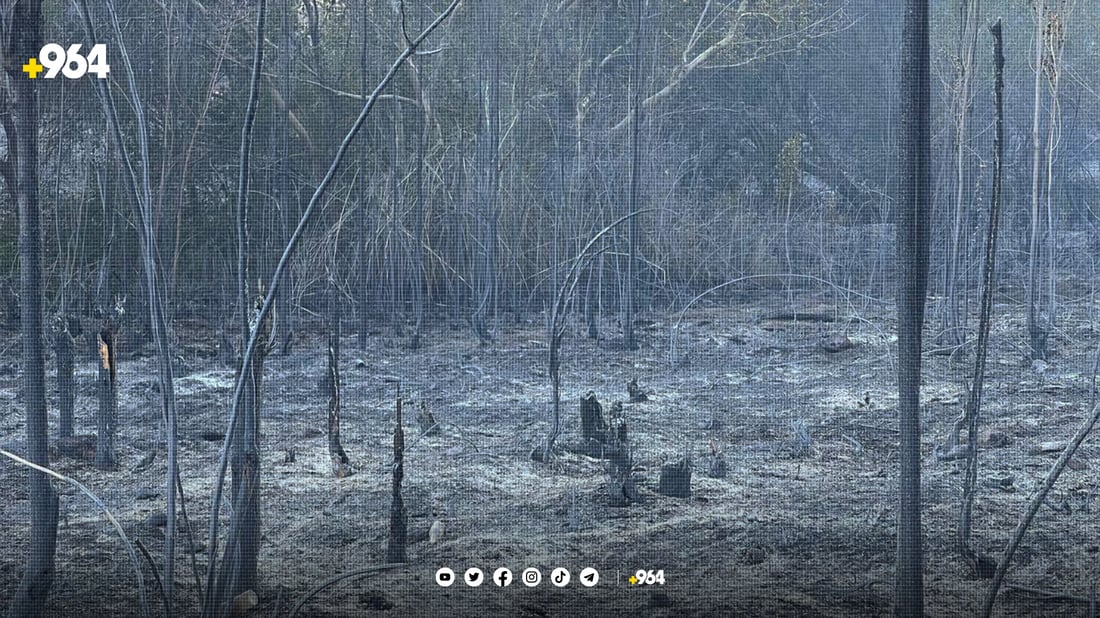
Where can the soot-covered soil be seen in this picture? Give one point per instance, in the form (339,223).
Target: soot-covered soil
(789,530)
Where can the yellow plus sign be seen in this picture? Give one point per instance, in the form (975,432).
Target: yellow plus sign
(32,68)
(633,580)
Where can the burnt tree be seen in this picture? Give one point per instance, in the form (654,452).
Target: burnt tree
(63,346)
(341,466)
(486,274)
(593,425)
(106,415)
(972,411)
(914,196)
(239,567)
(419,293)
(21,38)
(137,180)
(257,344)
(621,489)
(556,333)
(636,78)
(395,548)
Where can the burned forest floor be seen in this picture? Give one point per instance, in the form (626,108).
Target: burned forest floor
(801,524)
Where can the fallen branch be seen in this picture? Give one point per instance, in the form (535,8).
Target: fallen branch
(153,567)
(1037,501)
(680,318)
(1047,595)
(378,568)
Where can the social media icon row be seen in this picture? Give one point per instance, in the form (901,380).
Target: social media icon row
(530,577)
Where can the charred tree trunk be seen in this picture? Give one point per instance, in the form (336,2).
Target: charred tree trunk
(20,29)
(141,192)
(239,568)
(341,466)
(635,167)
(554,362)
(363,220)
(556,327)
(63,346)
(593,426)
(396,283)
(102,300)
(955,289)
(287,310)
(419,291)
(363,236)
(974,401)
(675,478)
(395,548)
(591,304)
(108,396)
(488,186)
(621,489)
(1037,329)
(557,201)
(914,199)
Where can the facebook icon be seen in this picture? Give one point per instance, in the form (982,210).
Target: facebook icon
(502,577)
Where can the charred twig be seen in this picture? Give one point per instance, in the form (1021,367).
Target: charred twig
(556,331)
(973,408)
(156,571)
(341,465)
(371,570)
(1047,595)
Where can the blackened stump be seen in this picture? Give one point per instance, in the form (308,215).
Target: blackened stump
(395,549)
(675,480)
(108,397)
(621,490)
(593,425)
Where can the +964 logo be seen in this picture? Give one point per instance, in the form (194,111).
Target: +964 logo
(648,577)
(54,60)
